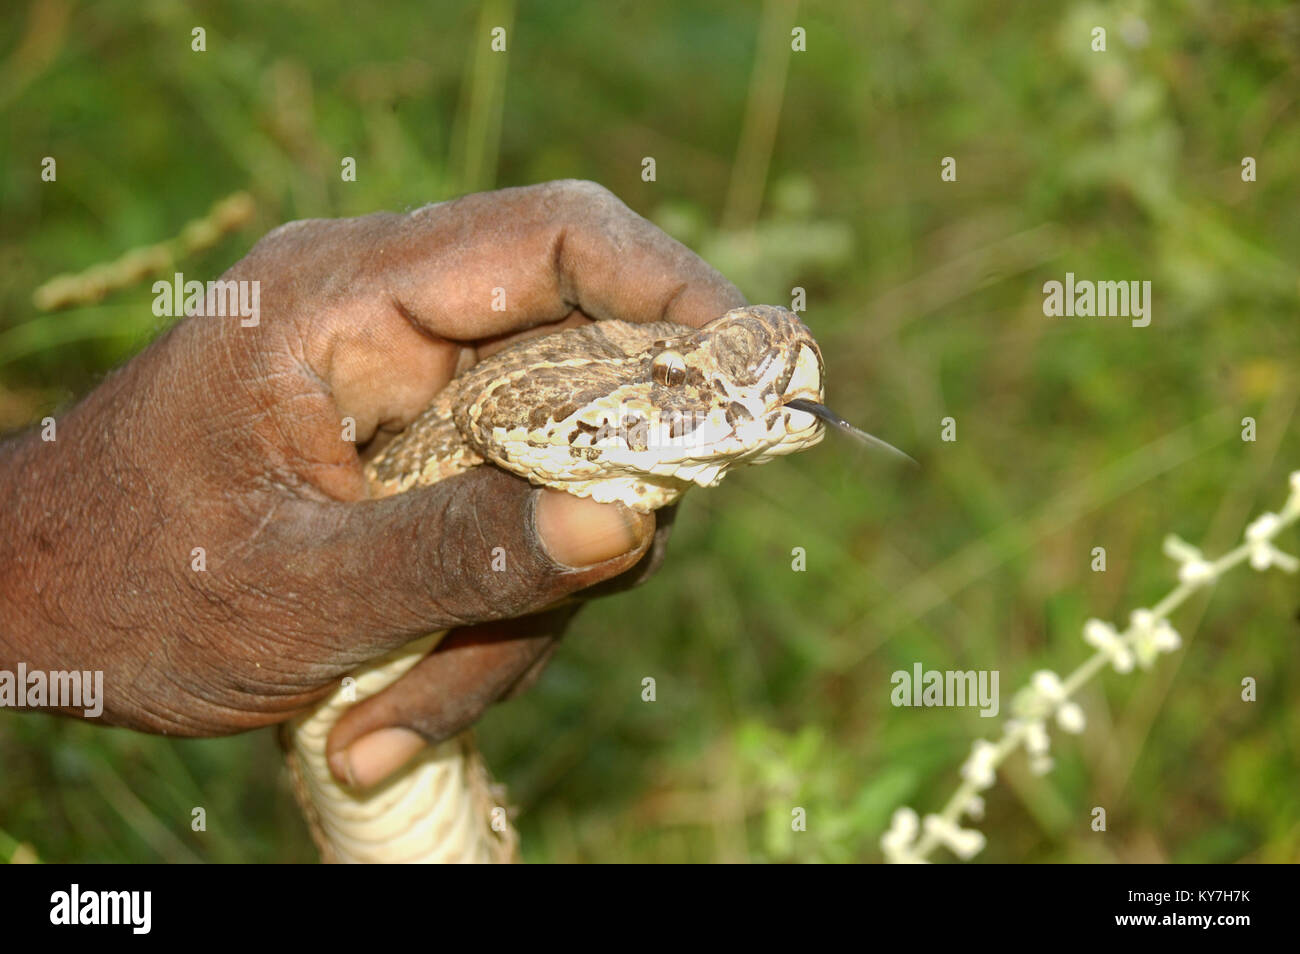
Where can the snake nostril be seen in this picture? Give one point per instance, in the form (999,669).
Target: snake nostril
(738,414)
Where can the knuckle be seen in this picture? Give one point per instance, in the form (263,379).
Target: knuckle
(583,194)
(283,234)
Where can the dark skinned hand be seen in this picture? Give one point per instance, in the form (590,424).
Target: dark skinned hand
(231,438)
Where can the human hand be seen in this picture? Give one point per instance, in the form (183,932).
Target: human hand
(232,439)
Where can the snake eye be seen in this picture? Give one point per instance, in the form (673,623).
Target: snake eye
(668,369)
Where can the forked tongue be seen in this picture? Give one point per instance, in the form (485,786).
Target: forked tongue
(844,427)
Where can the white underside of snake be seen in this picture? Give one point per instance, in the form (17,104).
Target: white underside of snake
(615,411)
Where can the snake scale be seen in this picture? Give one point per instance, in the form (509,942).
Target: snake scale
(612,410)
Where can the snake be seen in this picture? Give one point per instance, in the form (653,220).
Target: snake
(635,413)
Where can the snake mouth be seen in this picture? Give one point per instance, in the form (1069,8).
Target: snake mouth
(822,412)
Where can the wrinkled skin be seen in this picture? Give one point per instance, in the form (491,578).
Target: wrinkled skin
(229,438)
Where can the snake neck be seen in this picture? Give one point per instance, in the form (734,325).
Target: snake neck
(442,807)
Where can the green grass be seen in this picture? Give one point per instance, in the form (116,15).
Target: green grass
(773,686)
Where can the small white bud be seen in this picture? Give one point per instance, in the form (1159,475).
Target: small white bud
(1176,548)
(1197,573)
(1102,636)
(1048,685)
(965,843)
(897,843)
(980,769)
(1070,718)
(1262,528)
(1037,741)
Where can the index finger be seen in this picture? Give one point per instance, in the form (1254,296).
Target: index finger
(499,262)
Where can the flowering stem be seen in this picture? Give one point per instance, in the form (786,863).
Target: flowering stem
(1147,635)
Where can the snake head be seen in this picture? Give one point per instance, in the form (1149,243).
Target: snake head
(639,413)
(752,362)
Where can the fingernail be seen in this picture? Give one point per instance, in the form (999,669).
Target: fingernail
(374,757)
(578,532)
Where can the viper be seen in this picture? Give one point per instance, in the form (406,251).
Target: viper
(615,411)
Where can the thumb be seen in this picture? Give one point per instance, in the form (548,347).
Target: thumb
(474,548)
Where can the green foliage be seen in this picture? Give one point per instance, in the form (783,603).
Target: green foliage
(773,685)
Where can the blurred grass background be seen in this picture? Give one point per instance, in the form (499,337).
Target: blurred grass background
(818,169)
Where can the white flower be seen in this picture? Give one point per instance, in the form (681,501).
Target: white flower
(1259,540)
(965,843)
(897,843)
(1070,718)
(1197,573)
(981,768)
(1151,637)
(1102,636)
(1051,691)
(1048,685)
(1037,745)
(974,807)
(1195,570)
(1037,741)
(1263,527)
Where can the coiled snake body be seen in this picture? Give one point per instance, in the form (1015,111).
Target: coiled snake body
(613,410)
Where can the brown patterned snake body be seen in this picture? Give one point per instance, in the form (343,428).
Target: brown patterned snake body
(615,411)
